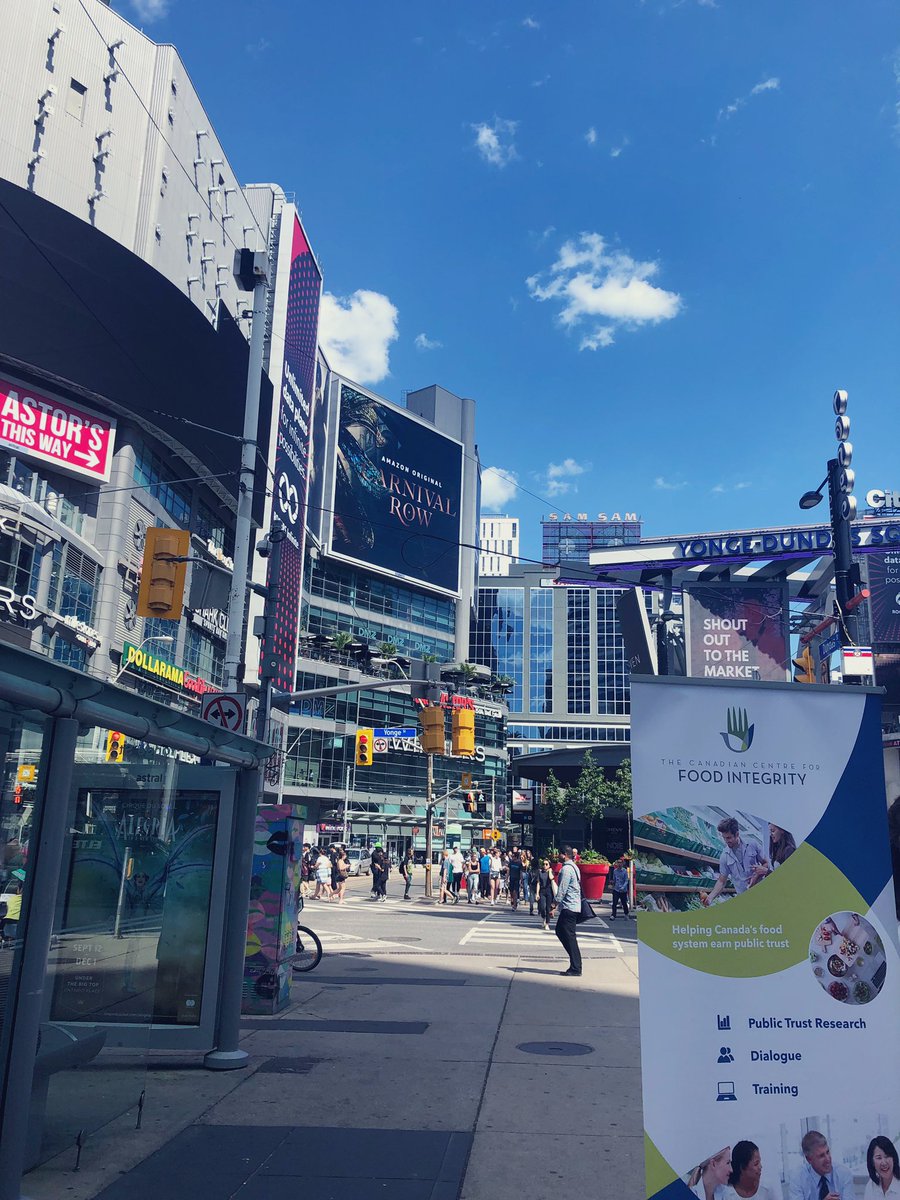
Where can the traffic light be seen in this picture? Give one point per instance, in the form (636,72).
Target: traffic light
(470,806)
(364,752)
(161,593)
(115,747)
(431,720)
(805,668)
(463,732)
(480,802)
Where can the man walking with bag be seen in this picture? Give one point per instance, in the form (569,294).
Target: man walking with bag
(568,900)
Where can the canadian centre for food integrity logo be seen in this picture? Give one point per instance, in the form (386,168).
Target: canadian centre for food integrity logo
(738,734)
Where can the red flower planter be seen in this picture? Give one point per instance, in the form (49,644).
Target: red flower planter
(593,878)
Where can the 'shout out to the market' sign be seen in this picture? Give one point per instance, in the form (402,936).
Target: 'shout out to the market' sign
(770,974)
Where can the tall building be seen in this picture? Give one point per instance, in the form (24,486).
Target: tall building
(498,541)
(571,539)
(390,576)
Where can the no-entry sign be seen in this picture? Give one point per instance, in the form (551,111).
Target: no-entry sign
(66,435)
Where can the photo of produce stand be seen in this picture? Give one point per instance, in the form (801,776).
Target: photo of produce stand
(679,853)
(847,957)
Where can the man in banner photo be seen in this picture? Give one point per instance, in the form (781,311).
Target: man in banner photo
(768,1022)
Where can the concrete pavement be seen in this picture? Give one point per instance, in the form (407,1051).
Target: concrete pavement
(414,1075)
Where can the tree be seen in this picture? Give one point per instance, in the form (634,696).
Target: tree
(342,641)
(617,791)
(555,803)
(387,650)
(587,795)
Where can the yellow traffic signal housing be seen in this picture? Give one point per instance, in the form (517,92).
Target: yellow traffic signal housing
(804,667)
(364,747)
(161,593)
(431,720)
(470,805)
(115,747)
(463,732)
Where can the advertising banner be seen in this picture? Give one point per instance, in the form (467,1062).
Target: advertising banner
(397,493)
(770,980)
(68,436)
(737,631)
(884,603)
(294,408)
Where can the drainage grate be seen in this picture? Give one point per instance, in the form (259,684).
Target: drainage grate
(559,1049)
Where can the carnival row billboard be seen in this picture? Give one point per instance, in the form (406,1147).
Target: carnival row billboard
(397,493)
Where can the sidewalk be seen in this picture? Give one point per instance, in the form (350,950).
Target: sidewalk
(425,1078)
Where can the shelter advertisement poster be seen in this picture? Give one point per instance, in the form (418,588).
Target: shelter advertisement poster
(770,980)
(737,631)
(397,493)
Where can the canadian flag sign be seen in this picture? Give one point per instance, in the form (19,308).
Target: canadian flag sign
(69,437)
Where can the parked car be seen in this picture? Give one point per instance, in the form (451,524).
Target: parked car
(360,861)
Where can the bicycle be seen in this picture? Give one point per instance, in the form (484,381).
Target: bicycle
(309,948)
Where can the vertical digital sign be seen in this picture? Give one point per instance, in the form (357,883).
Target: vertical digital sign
(292,446)
(884,603)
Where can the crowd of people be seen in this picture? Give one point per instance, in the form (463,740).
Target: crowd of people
(735,1173)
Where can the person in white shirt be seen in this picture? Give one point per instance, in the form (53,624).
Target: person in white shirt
(884,1170)
(459,866)
(819,1178)
(708,1181)
(746,1173)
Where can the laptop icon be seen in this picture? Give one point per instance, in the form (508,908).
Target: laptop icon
(726,1090)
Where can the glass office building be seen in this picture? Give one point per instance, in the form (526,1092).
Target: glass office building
(571,539)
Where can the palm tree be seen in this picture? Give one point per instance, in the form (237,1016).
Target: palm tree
(342,642)
(387,650)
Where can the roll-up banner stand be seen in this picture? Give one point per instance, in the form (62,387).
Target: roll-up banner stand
(770,981)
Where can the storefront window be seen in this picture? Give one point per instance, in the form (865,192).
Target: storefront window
(73,588)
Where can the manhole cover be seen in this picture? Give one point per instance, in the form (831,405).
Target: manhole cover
(555,1048)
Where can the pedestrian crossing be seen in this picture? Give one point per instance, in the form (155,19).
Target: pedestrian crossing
(519,933)
(351,943)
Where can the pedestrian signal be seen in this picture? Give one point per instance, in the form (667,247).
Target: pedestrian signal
(115,747)
(364,747)
(470,805)
(463,732)
(804,667)
(431,720)
(161,593)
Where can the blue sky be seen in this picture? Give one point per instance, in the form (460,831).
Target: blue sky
(650,239)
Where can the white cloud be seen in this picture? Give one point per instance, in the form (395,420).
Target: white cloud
(591,136)
(494,142)
(557,478)
(150,10)
(896,66)
(498,486)
(720,488)
(258,47)
(605,288)
(531,23)
(424,342)
(772,84)
(617,150)
(536,83)
(356,333)
(667,485)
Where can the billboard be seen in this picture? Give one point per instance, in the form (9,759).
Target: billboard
(298,307)
(767,938)
(737,631)
(397,493)
(65,435)
(884,603)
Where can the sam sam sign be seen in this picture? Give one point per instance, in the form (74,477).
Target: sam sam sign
(67,436)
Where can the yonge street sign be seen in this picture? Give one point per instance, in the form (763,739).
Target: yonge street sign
(67,436)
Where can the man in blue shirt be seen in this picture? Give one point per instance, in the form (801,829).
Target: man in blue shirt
(819,1178)
(568,902)
(741,862)
(484,874)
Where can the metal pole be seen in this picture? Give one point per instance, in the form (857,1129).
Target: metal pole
(227,1055)
(493,810)
(843,562)
(27,993)
(237,601)
(269,662)
(429,823)
(346,805)
(120,904)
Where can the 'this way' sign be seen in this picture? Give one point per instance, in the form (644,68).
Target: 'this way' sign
(63,434)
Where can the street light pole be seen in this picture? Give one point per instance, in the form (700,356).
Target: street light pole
(429,823)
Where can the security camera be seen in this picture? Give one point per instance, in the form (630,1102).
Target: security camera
(264,546)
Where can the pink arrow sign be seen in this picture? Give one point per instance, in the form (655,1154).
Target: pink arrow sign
(66,435)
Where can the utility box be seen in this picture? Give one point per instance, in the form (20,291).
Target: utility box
(272,917)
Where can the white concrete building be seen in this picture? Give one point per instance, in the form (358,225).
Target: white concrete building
(498,540)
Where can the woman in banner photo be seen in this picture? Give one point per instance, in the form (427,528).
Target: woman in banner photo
(709,1180)
(884,1170)
(781,845)
(746,1173)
